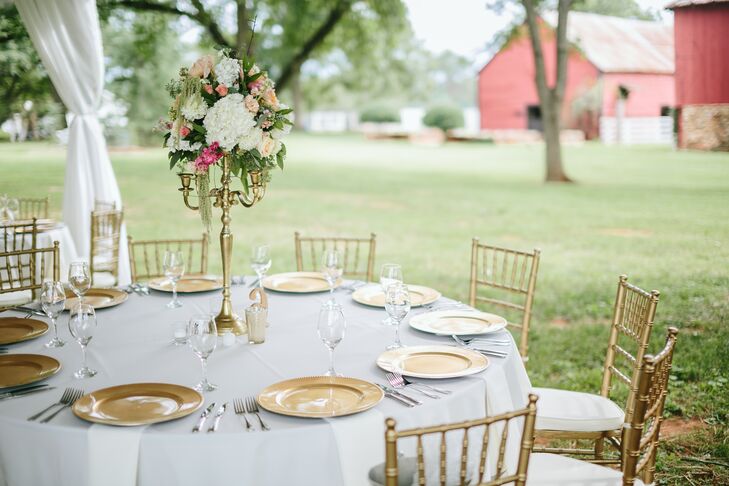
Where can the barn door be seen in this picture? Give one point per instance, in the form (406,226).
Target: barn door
(534,118)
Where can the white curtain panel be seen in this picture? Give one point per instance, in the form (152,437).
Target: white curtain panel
(67,36)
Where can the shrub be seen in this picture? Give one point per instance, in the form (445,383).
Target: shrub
(444,117)
(379,114)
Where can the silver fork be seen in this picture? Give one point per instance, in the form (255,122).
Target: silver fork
(76,395)
(397,382)
(429,387)
(240,409)
(252,408)
(65,398)
(488,352)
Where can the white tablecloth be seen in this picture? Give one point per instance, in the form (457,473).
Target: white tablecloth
(132,345)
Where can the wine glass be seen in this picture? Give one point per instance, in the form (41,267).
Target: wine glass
(53,300)
(389,274)
(261,261)
(79,279)
(203,338)
(332,267)
(82,325)
(174,268)
(397,305)
(331,330)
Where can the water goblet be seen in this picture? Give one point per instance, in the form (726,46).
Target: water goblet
(53,300)
(174,268)
(82,324)
(389,274)
(79,278)
(331,330)
(261,261)
(397,305)
(332,267)
(203,338)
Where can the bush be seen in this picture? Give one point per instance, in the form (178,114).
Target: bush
(444,117)
(379,114)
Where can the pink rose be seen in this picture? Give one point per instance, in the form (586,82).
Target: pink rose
(222,90)
(202,67)
(256,85)
(251,104)
(184,132)
(208,89)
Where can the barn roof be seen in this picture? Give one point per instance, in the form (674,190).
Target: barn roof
(615,44)
(691,3)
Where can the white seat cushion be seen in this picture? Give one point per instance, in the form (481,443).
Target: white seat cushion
(556,470)
(104,280)
(576,412)
(19,297)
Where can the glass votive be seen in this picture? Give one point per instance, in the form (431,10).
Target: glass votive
(179,333)
(228,339)
(256,316)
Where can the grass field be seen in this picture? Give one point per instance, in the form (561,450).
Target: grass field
(658,215)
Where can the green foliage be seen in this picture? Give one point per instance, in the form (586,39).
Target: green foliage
(379,114)
(444,117)
(615,8)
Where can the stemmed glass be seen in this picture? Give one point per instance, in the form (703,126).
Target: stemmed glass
(332,267)
(331,330)
(397,305)
(261,261)
(53,300)
(79,279)
(389,274)
(82,325)
(203,338)
(174,268)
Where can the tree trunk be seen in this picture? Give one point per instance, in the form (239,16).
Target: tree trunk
(241,37)
(298,97)
(552,145)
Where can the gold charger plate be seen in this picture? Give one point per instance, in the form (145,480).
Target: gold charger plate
(459,323)
(138,404)
(18,329)
(320,396)
(433,361)
(374,296)
(23,369)
(97,298)
(298,282)
(188,284)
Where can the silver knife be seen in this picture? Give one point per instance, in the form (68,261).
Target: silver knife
(218,416)
(401,395)
(203,417)
(254,283)
(21,393)
(395,397)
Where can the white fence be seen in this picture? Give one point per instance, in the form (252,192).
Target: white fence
(411,121)
(634,130)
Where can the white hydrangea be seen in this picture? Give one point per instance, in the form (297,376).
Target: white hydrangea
(174,144)
(227,121)
(278,133)
(250,140)
(227,71)
(194,108)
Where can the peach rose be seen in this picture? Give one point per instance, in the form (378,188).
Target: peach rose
(208,89)
(184,132)
(269,96)
(222,90)
(266,146)
(251,104)
(202,67)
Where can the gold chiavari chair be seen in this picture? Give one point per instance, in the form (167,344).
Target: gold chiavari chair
(146,257)
(508,272)
(29,208)
(104,205)
(500,475)
(640,435)
(576,416)
(23,266)
(105,235)
(358,254)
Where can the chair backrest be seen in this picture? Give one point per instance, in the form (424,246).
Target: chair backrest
(640,435)
(23,266)
(509,272)
(358,254)
(500,476)
(633,316)
(29,208)
(104,205)
(105,235)
(146,257)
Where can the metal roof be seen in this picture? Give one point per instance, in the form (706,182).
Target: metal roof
(619,45)
(691,3)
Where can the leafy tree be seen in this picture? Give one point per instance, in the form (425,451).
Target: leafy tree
(444,117)
(615,8)
(379,114)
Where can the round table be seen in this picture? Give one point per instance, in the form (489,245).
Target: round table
(132,344)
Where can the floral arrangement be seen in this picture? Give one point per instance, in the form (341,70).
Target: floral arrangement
(224,107)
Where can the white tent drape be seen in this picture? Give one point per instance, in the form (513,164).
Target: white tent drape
(67,36)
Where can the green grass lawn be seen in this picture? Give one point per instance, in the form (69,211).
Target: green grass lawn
(658,215)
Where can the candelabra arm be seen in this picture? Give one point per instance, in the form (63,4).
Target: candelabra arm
(185,196)
(186,180)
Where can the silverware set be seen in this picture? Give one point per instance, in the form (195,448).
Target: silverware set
(404,399)
(352,286)
(398,381)
(69,397)
(218,416)
(24,390)
(137,288)
(254,283)
(490,346)
(29,311)
(242,407)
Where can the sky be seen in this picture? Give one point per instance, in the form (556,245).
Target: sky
(466,26)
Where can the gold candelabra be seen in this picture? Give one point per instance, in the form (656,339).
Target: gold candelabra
(224,198)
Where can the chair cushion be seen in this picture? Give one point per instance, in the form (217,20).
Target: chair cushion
(104,280)
(576,412)
(18,297)
(556,470)
(407,468)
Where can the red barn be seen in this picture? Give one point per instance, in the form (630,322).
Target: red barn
(702,73)
(608,55)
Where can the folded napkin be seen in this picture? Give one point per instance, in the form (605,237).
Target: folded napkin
(114,454)
(361,444)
